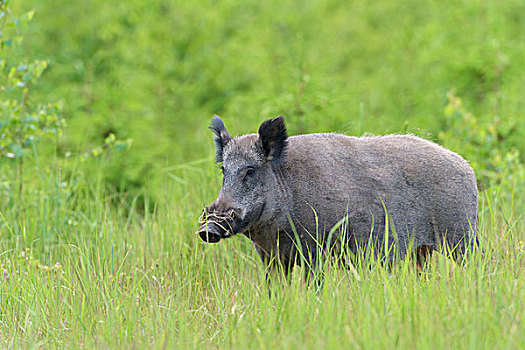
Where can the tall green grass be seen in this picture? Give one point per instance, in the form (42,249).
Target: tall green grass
(92,269)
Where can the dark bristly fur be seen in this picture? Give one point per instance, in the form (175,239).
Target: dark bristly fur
(272,134)
(221,138)
(427,192)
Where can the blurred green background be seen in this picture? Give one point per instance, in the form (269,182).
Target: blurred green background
(156,71)
(97,244)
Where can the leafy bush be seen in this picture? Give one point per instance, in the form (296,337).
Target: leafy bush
(157,71)
(22,122)
(482,143)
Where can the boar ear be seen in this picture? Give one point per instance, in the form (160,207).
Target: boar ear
(272,135)
(221,138)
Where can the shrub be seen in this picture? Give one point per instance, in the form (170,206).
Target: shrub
(483,144)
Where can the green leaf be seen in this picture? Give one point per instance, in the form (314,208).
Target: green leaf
(30,15)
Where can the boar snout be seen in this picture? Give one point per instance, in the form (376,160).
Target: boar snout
(214,225)
(210,233)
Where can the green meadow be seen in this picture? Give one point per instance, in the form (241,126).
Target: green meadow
(106,163)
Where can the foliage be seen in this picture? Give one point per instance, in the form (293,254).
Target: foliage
(109,141)
(22,122)
(157,71)
(485,143)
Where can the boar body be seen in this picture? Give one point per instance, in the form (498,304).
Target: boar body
(318,191)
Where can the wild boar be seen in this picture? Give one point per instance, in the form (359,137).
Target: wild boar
(294,195)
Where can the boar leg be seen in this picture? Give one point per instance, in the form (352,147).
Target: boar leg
(423,256)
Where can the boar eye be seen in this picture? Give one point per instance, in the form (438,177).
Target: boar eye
(250,172)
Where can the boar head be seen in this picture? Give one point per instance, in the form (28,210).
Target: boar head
(250,193)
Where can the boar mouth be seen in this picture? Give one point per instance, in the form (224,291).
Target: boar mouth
(213,227)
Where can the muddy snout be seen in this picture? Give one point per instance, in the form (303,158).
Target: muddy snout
(210,233)
(214,226)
